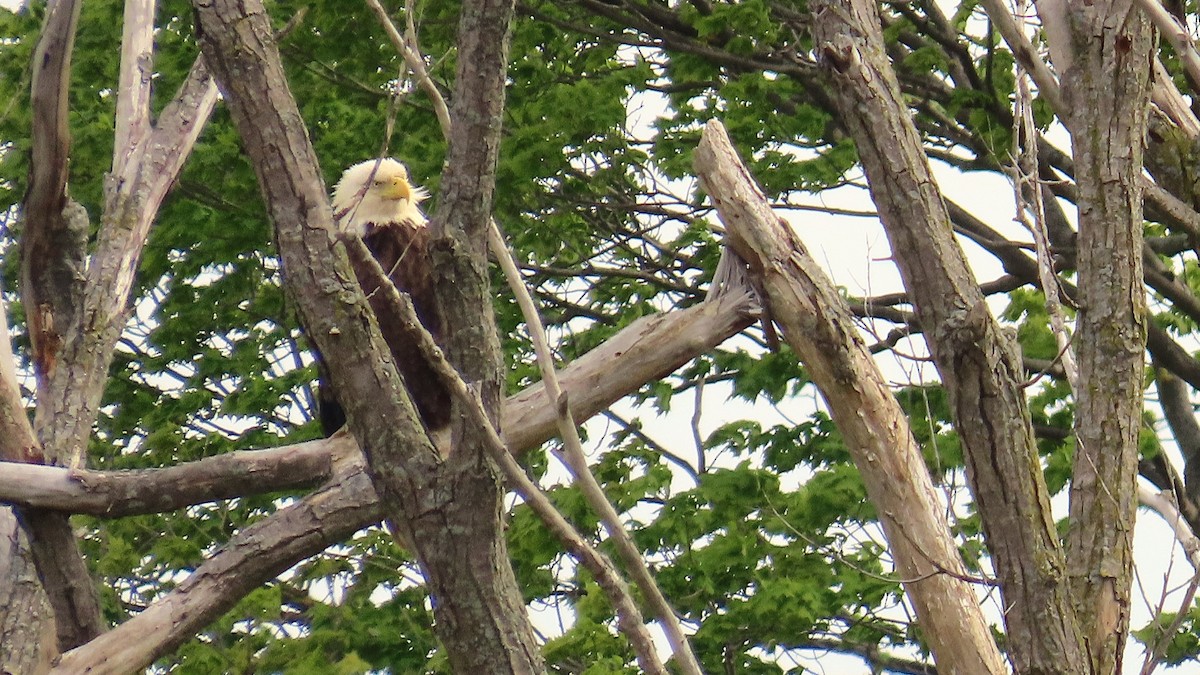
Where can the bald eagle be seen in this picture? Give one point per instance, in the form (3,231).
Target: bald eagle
(376,201)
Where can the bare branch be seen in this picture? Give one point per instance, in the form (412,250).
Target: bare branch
(1168,98)
(1055,16)
(113,494)
(1031,200)
(51,255)
(1181,214)
(349,503)
(628,615)
(1025,53)
(645,350)
(976,359)
(133,88)
(1175,398)
(1178,35)
(17,442)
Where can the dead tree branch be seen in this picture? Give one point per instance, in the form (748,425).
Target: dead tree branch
(817,323)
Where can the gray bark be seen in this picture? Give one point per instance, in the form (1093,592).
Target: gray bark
(52,252)
(252,558)
(349,502)
(27,640)
(77,310)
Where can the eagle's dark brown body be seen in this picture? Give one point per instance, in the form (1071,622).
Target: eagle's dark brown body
(375,201)
(402,250)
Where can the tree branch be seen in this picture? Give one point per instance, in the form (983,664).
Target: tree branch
(53,247)
(115,494)
(1025,53)
(133,86)
(646,350)
(67,404)
(628,616)
(349,503)
(252,558)
(576,461)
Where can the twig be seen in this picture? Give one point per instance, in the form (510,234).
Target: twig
(1025,178)
(415,63)
(696,412)
(1162,504)
(1025,54)
(576,461)
(1165,506)
(656,447)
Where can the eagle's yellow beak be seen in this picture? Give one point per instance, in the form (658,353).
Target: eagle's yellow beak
(397,188)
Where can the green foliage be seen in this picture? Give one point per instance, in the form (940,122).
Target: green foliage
(930,419)
(588,637)
(1183,641)
(773,375)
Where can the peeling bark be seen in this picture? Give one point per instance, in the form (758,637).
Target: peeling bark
(51,250)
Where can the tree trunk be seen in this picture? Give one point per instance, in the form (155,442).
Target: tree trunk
(76,311)
(979,365)
(1107,90)
(448,509)
(481,615)
(53,246)
(26,624)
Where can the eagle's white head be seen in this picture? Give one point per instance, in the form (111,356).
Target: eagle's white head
(377,192)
